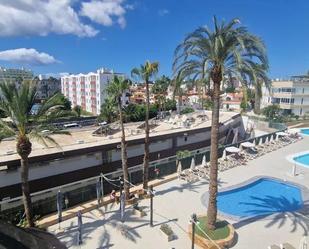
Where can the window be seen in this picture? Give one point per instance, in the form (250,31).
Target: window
(287,100)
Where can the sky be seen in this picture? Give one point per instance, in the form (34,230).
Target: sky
(73,36)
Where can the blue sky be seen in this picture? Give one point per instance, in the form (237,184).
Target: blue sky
(133,31)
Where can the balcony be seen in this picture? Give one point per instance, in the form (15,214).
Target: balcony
(291,106)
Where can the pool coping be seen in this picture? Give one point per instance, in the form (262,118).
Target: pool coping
(304,195)
(291,157)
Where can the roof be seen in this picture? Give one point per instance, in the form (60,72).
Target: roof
(82,138)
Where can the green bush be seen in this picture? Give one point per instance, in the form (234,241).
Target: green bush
(137,112)
(187,110)
(208,104)
(170,105)
(272,112)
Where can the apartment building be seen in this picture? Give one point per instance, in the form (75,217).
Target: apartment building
(15,75)
(47,87)
(88,90)
(291,95)
(138,93)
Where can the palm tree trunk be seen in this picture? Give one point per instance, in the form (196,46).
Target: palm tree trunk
(124,156)
(24,148)
(257,103)
(26,191)
(179,103)
(146,152)
(213,183)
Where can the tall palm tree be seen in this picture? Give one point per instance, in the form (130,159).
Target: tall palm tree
(17,103)
(177,84)
(116,89)
(146,72)
(226,49)
(160,88)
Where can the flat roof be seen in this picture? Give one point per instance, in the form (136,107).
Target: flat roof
(82,138)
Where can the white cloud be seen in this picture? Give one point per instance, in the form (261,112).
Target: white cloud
(41,17)
(103,11)
(163,12)
(28,56)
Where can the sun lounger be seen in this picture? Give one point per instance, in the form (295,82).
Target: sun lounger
(286,246)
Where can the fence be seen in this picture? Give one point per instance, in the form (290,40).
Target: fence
(44,202)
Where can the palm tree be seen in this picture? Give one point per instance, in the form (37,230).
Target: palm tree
(108,110)
(177,84)
(228,49)
(116,89)
(145,73)
(160,88)
(17,103)
(198,72)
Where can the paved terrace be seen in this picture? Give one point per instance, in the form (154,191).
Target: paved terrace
(175,201)
(70,142)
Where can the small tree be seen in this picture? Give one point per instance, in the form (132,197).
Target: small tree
(78,110)
(67,105)
(272,112)
(108,110)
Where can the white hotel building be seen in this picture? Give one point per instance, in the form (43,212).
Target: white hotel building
(87,90)
(291,95)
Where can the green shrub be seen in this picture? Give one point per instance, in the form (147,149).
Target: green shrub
(187,110)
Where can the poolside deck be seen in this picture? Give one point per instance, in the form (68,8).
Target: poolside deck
(175,201)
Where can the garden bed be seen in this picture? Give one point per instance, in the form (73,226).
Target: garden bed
(223,235)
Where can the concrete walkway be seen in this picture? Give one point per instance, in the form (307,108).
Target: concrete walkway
(175,201)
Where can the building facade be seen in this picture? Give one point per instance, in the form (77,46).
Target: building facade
(291,95)
(231,101)
(138,93)
(50,167)
(15,75)
(88,90)
(47,87)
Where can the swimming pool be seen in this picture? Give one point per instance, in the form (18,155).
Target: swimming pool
(302,159)
(262,197)
(305,131)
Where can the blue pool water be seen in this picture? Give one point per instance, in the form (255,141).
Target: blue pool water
(305,131)
(303,159)
(262,197)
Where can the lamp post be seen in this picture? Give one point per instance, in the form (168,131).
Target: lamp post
(193,221)
(151,205)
